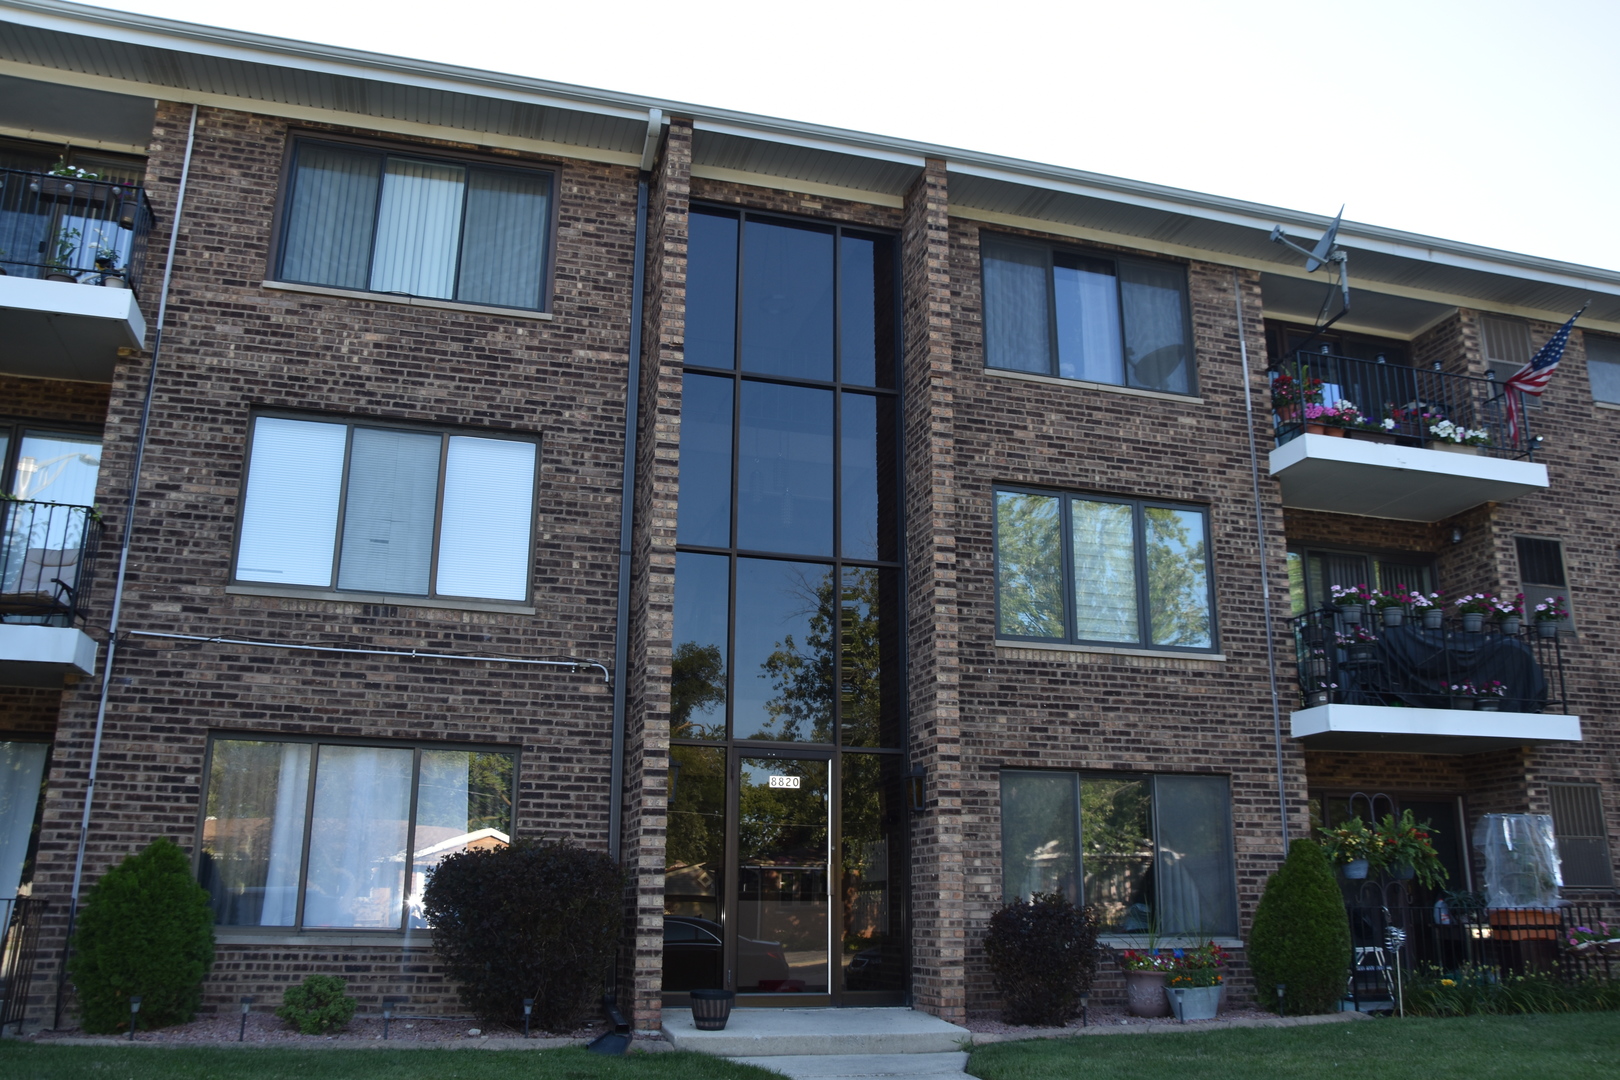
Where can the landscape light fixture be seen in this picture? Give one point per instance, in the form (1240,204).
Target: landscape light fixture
(134,1008)
(528,1007)
(1085,1008)
(247,1006)
(917,789)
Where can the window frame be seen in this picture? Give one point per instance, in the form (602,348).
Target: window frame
(1139,554)
(431,597)
(1079,777)
(14,428)
(1054,365)
(1601,837)
(1375,558)
(1546,590)
(1610,343)
(283,211)
(417,746)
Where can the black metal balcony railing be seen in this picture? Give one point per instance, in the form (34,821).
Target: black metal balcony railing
(47,554)
(1395,403)
(19,942)
(65,229)
(1414,667)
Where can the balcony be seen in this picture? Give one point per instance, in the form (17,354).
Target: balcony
(47,555)
(1386,455)
(1388,688)
(72,257)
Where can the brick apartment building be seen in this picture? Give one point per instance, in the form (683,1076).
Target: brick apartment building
(844,533)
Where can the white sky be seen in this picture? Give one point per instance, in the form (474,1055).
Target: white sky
(1486,121)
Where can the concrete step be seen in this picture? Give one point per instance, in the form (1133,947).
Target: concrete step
(820,1032)
(836,1066)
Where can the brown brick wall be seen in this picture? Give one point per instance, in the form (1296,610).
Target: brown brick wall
(55,400)
(231,346)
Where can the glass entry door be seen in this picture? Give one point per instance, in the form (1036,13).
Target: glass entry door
(779,940)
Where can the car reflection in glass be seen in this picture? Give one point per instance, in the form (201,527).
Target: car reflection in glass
(692,960)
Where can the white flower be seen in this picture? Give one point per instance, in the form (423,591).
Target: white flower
(1389,424)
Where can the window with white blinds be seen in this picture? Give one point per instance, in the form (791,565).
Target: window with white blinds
(1507,347)
(365,219)
(1583,840)
(387,510)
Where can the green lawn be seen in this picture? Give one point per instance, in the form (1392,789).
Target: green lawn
(28,1061)
(1565,1047)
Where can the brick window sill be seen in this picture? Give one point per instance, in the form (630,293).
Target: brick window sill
(279,937)
(380,598)
(1061,651)
(1081,384)
(408,301)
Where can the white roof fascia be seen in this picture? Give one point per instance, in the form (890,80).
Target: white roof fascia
(810,142)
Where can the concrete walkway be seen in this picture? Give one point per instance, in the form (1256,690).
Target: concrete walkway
(755,1033)
(837,1066)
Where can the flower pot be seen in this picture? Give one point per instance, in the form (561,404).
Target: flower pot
(1510,625)
(1403,872)
(114,281)
(1351,614)
(1451,447)
(1462,703)
(1394,616)
(1318,697)
(1356,869)
(1195,1002)
(1313,428)
(1488,704)
(1360,654)
(712,1008)
(1473,622)
(1433,618)
(1144,993)
(60,275)
(1547,628)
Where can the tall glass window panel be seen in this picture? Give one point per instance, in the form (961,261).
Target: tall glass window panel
(865,307)
(1177,577)
(1029,565)
(1087,306)
(359,828)
(706,413)
(253,831)
(1017,334)
(872,873)
(22,768)
(290,509)
(1116,823)
(1105,601)
(1194,888)
(388,515)
(503,243)
(787,619)
(862,468)
(782,876)
(695,868)
(785,469)
(787,317)
(1154,300)
(58,467)
(698,669)
(1040,841)
(867,660)
(418,228)
(331,217)
(711,291)
(463,803)
(486,525)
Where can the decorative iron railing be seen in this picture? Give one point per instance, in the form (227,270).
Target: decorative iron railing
(1418,666)
(47,558)
(62,228)
(1326,394)
(19,943)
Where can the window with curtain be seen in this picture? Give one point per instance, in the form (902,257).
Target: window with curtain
(1149,852)
(1087,316)
(314,835)
(350,506)
(1603,367)
(1085,570)
(374,221)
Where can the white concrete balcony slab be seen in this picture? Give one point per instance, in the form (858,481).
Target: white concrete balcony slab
(1383,480)
(1428,731)
(44,655)
(65,330)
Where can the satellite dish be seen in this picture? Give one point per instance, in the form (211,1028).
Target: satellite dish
(1324,246)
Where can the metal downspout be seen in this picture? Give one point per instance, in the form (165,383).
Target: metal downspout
(1265,574)
(123,562)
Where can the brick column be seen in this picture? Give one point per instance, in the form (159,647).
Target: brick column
(652,598)
(932,617)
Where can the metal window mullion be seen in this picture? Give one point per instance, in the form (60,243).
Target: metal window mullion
(376,222)
(1124,345)
(1054,362)
(1153,830)
(438,514)
(461,237)
(1144,630)
(343,507)
(1071,606)
(309,825)
(410,837)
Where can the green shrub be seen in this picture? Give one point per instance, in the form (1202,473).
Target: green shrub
(1476,991)
(537,919)
(145,928)
(317,1005)
(1043,955)
(1301,935)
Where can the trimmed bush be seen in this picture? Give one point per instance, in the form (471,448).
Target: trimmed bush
(1043,955)
(537,919)
(145,928)
(1301,935)
(317,1005)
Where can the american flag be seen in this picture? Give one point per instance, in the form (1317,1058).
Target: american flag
(1534,376)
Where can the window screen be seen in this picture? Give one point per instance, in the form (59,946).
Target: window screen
(1603,367)
(1541,573)
(1583,843)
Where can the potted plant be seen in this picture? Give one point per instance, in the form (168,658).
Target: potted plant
(1319,692)
(62,181)
(1289,395)
(1351,600)
(1583,938)
(1358,645)
(1547,615)
(1462,694)
(1473,607)
(1145,974)
(1509,614)
(107,267)
(1331,419)
(1445,435)
(1352,845)
(60,265)
(1490,695)
(1426,606)
(1405,846)
(1194,982)
(1392,605)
